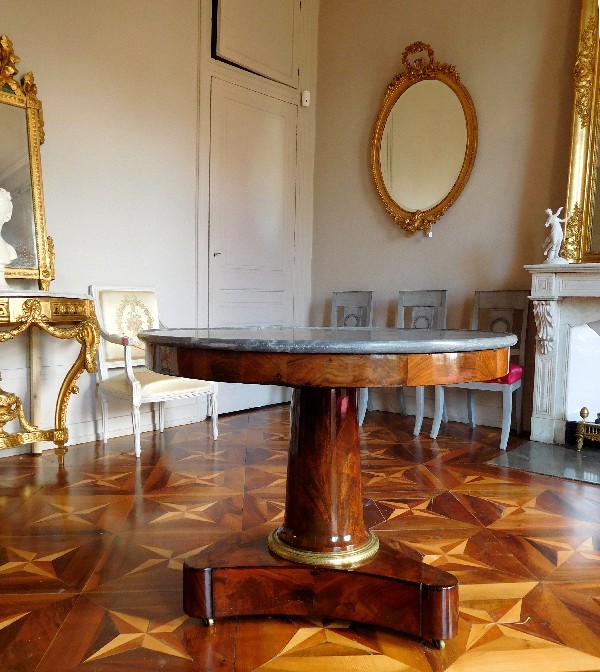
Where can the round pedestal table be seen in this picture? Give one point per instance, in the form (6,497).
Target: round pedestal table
(323,561)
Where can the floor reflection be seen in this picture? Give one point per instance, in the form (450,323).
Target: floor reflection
(553,460)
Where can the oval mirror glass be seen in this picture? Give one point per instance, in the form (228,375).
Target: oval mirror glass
(423,145)
(425,141)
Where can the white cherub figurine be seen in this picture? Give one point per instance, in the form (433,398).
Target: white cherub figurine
(554,240)
(7,252)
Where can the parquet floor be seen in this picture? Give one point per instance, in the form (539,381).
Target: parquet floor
(91,559)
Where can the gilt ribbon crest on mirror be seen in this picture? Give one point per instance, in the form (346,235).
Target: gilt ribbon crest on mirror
(424,142)
(581,241)
(23,222)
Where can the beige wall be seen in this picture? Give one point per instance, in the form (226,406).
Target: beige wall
(118,82)
(516,60)
(125,86)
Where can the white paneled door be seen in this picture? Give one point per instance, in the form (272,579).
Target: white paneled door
(252,217)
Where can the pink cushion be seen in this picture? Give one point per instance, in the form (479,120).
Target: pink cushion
(515,372)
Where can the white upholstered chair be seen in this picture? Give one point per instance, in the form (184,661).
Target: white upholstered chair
(122,313)
(420,309)
(505,312)
(354,309)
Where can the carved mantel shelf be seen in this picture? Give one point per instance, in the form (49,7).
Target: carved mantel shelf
(563,296)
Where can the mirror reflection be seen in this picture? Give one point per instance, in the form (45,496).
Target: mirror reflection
(15,177)
(425,140)
(27,251)
(595,233)
(423,145)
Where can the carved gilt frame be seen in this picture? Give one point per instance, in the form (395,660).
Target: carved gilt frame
(581,188)
(416,69)
(24,95)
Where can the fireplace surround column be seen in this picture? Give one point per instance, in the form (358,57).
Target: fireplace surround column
(563,296)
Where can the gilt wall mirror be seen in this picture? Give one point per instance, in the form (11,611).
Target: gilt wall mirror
(21,134)
(425,140)
(581,242)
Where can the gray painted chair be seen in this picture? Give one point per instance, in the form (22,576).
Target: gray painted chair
(420,309)
(504,311)
(354,309)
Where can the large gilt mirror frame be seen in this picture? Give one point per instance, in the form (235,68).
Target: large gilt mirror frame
(22,96)
(579,243)
(419,65)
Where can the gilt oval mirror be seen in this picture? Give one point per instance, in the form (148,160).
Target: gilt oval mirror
(424,142)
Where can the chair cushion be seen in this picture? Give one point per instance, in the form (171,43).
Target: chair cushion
(515,373)
(155,384)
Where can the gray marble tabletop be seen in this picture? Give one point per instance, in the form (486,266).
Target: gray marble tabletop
(349,340)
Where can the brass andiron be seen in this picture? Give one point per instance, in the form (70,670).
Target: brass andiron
(585,431)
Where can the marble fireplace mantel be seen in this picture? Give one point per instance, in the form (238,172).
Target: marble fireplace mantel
(564,296)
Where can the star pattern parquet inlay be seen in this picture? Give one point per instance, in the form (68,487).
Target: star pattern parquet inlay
(91,557)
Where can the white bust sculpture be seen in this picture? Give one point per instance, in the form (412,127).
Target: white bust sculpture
(7,252)
(554,240)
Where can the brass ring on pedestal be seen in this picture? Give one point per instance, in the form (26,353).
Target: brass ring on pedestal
(346,559)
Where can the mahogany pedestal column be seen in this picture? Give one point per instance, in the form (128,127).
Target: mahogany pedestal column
(323,562)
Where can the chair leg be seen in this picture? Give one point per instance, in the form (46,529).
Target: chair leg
(401,402)
(419,409)
(519,409)
(363,396)
(438,411)
(104,412)
(161,416)
(212,403)
(135,417)
(506,416)
(471,407)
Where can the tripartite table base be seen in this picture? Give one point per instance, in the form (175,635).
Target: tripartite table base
(237,578)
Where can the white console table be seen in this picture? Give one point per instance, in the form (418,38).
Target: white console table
(563,296)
